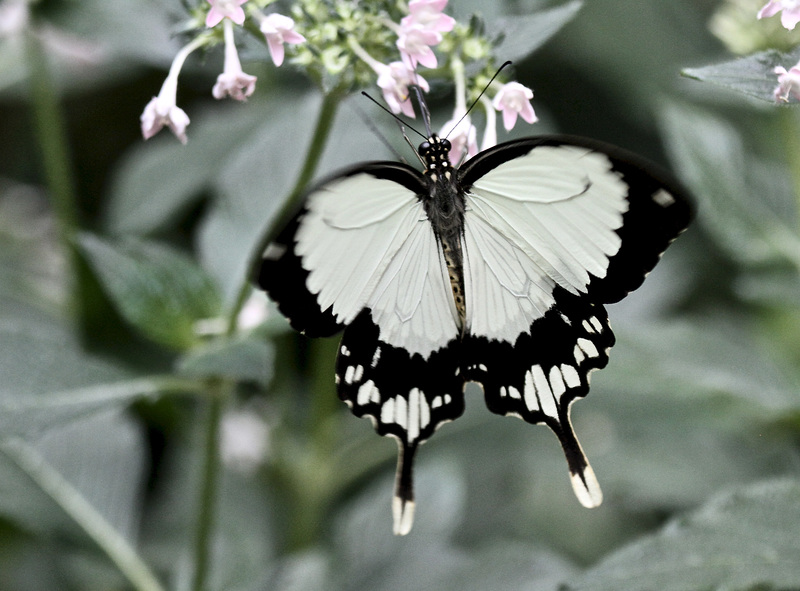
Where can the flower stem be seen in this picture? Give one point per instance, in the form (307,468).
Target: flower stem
(207,508)
(52,138)
(327,115)
(325,120)
(789,125)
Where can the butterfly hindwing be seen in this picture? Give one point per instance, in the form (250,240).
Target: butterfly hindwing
(406,395)
(540,374)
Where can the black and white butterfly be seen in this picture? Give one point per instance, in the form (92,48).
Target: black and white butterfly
(495,272)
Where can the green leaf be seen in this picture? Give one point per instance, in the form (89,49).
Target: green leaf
(246,358)
(713,355)
(712,159)
(162,179)
(37,358)
(525,33)
(739,540)
(48,380)
(256,179)
(752,75)
(32,414)
(92,471)
(159,291)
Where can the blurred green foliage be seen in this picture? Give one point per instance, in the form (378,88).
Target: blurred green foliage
(109,471)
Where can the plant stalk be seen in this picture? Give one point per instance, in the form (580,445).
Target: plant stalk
(51,137)
(207,506)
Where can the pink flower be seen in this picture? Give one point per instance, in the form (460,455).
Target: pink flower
(221,9)
(393,81)
(162,109)
(233,81)
(788,83)
(279,29)
(514,99)
(427,14)
(790,8)
(414,44)
(462,135)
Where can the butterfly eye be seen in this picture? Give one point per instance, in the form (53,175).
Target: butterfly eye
(424,147)
(446,145)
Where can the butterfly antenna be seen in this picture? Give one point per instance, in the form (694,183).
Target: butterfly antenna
(402,125)
(373,128)
(396,118)
(485,88)
(423,106)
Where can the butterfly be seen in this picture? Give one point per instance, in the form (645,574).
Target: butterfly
(494,272)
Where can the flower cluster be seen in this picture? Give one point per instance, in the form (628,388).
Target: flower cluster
(417,33)
(346,46)
(233,82)
(788,80)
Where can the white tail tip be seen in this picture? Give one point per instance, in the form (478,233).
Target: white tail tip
(403,515)
(586,487)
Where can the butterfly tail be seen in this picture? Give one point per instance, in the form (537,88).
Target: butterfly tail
(403,502)
(581,475)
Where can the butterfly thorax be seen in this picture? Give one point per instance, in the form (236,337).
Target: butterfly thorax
(445,208)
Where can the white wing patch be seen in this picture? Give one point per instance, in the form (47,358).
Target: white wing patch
(412,415)
(544,219)
(412,304)
(366,242)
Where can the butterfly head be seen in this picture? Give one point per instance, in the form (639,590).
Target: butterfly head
(435,151)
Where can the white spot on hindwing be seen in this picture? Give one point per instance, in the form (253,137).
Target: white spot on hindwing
(596,324)
(578,354)
(367,393)
(412,414)
(571,376)
(588,348)
(557,382)
(530,392)
(375,357)
(546,399)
